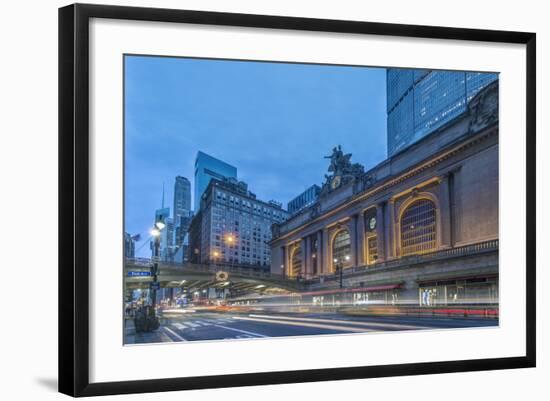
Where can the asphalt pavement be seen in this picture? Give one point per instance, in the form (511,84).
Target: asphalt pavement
(180,326)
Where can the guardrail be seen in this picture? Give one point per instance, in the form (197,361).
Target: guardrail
(466,250)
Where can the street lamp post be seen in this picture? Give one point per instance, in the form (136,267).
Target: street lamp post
(145,318)
(155,232)
(339,270)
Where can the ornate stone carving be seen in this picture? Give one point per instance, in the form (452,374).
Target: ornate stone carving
(368,181)
(342,169)
(483,108)
(315,211)
(275,231)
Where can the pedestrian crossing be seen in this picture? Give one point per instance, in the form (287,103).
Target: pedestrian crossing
(198,323)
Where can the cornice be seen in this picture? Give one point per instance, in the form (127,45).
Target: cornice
(390,182)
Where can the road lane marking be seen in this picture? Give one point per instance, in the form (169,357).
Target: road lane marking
(352,322)
(180,326)
(169,330)
(192,324)
(305,324)
(250,333)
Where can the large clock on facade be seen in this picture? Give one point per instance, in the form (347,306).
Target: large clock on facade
(335,183)
(372,223)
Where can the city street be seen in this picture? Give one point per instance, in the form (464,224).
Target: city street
(200,326)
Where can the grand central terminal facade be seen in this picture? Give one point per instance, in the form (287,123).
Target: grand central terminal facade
(421,227)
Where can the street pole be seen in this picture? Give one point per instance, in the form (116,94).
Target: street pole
(155,271)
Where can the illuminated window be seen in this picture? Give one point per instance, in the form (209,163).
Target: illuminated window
(418,228)
(296,263)
(370,231)
(372,250)
(341,249)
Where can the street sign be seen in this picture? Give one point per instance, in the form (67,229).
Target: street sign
(155,285)
(138,273)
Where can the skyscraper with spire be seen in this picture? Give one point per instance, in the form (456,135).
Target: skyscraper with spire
(167,233)
(182,209)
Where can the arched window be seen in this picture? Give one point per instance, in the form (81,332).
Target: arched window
(341,250)
(296,262)
(418,228)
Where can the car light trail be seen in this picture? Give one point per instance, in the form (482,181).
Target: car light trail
(373,324)
(305,324)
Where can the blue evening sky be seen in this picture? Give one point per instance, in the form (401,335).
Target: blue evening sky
(273,121)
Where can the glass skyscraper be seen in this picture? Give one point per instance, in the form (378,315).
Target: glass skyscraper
(182,209)
(182,197)
(305,199)
(420,101)
(207,168)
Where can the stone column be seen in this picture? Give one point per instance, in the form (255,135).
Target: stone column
(444,233)
(326,253)
(318,253)
(288,260)
(361,240)
(305,257)
(390,230)
(284,261)
(352,227)
(380,232)
(280,262)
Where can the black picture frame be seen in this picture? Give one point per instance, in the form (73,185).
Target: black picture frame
(74,198)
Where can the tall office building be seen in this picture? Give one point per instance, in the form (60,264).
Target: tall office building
(233,226)
(182,209)
(207,168)
(305,199)
(421,101)
(182,197)
(130,245)
(166,234)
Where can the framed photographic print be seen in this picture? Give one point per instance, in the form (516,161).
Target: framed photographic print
(250,199)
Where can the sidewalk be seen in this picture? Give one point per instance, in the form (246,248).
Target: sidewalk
(131,337)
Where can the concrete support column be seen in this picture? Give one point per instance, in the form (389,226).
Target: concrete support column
(305,257)
(380,232)
(361,260)
(326,253)
(390,230)
(445,212)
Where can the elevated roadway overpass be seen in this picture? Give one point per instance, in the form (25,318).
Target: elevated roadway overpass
(198,276)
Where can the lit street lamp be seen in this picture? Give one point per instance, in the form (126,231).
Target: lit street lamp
(155,232)
(340,269)
(145,318)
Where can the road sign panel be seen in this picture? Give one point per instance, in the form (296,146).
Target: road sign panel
(138,273)
(155,285)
